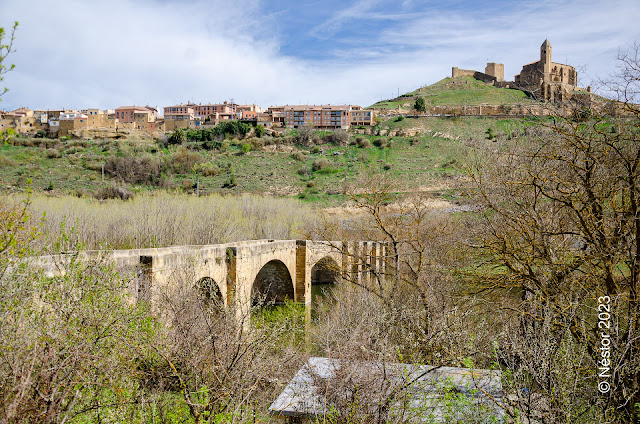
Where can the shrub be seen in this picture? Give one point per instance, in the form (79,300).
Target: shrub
(267,140)
(305,136)
(256,143)
(79,143)
(142,170)
(26,142)
(363,142)
(235,129)
(311,184)
(92,166)
(380,142)
(162,140)
(72,150)
(231,182)
(320,164)
(80,193)
(399,118)
(414,141)
(490,133)
(206,169)
(53,153)
(304,171)
(114,192)
(187,184)
(183,161)
(316,149)
(246,148)
(259,130)
(5,161)
(211,144)
(339,137)
(387,166)
(299,156)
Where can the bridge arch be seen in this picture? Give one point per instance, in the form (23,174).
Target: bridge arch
(272,284)
(209,290)
(325,271)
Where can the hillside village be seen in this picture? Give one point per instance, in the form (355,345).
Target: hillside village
(188,115)
(541,81)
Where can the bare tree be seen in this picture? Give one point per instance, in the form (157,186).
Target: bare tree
(224,361)
(560,238)
(408,311)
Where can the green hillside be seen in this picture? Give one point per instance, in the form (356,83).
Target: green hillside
(418,153)
(455,92)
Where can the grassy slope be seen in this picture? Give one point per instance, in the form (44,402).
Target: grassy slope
(426,164)
(457,91)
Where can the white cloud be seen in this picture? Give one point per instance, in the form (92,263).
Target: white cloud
(358,10)
(107,54)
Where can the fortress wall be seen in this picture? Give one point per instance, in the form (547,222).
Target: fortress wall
(457,72)
(487,110)
(484,77)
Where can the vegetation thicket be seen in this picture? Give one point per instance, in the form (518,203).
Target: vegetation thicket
(74,348)
(168,220)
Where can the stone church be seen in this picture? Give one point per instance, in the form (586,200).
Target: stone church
(546,80)
(543,79)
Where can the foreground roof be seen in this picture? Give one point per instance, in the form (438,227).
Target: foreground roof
(417,392)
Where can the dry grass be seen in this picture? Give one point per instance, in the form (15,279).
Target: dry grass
(169,219)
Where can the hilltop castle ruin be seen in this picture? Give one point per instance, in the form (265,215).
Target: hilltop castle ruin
(543,79)
(493,72)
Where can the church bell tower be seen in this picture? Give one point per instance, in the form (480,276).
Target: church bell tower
(545,56)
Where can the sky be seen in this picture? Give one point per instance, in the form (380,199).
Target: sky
(81,54)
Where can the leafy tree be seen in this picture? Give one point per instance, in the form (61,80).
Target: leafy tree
(234,128)
(179,136)
(420,105)
(6,47)
(259,131)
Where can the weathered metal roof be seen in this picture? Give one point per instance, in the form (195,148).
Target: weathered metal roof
(416,392)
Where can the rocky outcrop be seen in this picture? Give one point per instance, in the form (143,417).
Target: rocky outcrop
(109,133)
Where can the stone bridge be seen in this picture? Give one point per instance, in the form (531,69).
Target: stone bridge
(249,272)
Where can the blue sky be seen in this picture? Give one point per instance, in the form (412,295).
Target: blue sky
(79,54)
